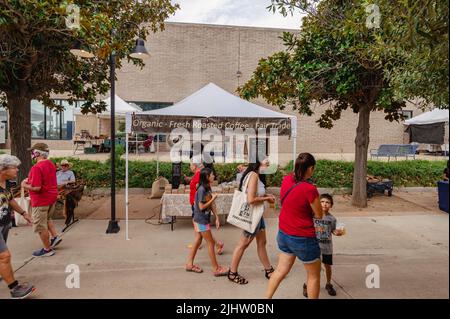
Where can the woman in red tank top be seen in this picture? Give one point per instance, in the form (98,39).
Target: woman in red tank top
(296,236)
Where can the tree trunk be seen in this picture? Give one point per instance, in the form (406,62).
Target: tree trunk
(19,109)
(359,194)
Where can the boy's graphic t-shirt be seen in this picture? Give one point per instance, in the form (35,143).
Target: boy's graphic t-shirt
(324,228)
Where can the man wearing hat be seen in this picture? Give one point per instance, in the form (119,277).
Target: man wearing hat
(65,176)
(42,185)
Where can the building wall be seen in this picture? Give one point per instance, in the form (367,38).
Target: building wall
(185,57)
(86,122)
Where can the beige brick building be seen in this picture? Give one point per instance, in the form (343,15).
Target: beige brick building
(186,57)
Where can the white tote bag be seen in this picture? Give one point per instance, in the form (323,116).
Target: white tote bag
(242,214)
(24,203)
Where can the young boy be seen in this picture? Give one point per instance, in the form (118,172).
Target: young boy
(325,228)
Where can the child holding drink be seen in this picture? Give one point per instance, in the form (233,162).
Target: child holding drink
(325,229)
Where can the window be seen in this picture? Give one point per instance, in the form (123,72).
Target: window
(67,121)
(407,114)
(37,120)
(51,125)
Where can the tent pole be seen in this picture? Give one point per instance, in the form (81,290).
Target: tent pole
(294,151)
(126,185)
(157,156)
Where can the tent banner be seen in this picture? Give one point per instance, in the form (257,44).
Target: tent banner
(147,123)
(427,133)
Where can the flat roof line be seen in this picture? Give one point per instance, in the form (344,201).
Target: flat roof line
(228,26)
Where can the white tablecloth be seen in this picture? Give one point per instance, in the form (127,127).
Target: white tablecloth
(178,204)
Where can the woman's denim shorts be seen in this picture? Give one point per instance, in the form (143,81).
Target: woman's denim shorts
(306,249)
(261,226)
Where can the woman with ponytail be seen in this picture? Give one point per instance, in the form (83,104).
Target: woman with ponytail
(296,236)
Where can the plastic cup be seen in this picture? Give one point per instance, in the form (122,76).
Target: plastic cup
(341,227)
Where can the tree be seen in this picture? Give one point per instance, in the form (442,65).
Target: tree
(337,60)
(35,60)
(414,34)
(417,35)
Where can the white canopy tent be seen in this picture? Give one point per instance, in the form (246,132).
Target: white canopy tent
(102,119)
(213,101)
(214,106)
(121,108)
(426,119)
(434,116)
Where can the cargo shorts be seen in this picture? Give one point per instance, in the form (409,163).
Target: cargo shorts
(4,229)
(41,216)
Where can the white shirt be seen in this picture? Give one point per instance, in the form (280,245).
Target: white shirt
(62,177)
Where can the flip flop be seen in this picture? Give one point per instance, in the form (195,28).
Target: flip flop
(221,272)
(195,269)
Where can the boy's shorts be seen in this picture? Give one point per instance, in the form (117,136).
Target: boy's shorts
(41,215)
(306,249)
(327,259)
(201,228)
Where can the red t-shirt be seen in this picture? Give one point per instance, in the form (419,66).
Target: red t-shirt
(43,174)
(192,185)
(296,217)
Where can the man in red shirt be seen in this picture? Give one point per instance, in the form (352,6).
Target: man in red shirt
(42,185)
(195,168)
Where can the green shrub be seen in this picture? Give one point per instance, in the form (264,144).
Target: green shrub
(404,173)
(332,174)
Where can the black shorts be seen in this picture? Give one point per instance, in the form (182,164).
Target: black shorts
(327,259)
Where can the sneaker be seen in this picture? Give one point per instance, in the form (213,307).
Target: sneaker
(330,289)
(55,241)
(22,291)
(305,291)
(43,253)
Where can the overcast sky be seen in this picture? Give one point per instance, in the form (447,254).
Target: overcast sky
(233,12)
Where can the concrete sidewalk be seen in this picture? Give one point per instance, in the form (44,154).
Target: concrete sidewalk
(410,250)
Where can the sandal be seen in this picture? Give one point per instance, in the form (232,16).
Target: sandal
(220,248)
(195,269)
(220,271)
(236,278)
(268,272)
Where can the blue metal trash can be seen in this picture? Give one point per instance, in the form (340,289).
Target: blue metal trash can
(443,195)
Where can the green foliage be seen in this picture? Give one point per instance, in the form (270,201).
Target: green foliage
(332,60)
(332,174)
(35,57)
(410,44)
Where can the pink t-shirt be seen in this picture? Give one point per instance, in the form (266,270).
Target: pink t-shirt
(43,174)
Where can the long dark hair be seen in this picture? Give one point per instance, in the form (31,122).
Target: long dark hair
(302,163)
(204,181)
(253,167)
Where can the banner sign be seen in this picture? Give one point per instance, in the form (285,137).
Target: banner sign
(146,123)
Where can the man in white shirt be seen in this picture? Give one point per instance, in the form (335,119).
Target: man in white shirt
(65,175)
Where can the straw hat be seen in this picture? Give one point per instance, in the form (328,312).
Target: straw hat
(65,162)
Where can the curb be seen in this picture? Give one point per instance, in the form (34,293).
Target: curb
(270,190)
